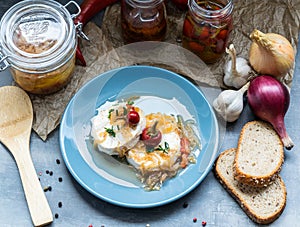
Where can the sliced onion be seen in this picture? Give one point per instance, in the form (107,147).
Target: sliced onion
(269,100)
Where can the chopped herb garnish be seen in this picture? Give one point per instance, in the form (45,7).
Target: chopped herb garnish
(130,102)
(163,149)
(110,131)
(109,113)
(125,110)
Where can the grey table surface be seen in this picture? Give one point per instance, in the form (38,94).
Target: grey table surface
(74,206)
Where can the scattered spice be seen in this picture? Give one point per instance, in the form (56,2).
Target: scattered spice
(60,179)
(194,220)
(47,171)
(50,173)
(48,188)
(185,205)
(57,161)
(90,225)
(59,204)
(40,173)
(56,215)
(203,223)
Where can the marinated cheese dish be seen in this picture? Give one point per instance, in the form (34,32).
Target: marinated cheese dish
(112,132)
(156,145)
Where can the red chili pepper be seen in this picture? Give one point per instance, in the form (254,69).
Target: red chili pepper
(151,136)
(185,151)
(196,47)
(204,33)
(188,28)
(220,48)
(79,56)
(89,8)
(222,34)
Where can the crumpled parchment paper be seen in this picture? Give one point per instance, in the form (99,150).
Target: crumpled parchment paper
(106,51)
(277,16)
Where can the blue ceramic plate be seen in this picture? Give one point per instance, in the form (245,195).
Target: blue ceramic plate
(111,180)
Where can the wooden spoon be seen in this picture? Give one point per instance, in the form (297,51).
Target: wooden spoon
(16,118)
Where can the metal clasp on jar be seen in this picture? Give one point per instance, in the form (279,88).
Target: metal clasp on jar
(78,26)
(3,62)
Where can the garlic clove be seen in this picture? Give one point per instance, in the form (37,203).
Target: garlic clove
(243,67)
(244,71)
(229,104)
(237,70)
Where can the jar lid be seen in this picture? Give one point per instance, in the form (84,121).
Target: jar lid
(144,3)
(36,34)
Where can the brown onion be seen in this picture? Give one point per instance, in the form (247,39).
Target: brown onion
(269,100)
(271,54)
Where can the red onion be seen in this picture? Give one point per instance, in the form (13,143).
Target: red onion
(269,100)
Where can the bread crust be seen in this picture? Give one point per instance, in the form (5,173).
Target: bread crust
(257,180)
(235,192)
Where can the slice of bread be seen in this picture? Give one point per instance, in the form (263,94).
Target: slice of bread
(260,154)
(262,204)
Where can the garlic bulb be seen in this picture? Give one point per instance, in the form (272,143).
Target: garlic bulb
(236,71)
(229,104)
(271,54)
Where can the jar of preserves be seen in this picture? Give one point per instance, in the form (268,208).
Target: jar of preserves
(38,43)
(143,20)
(207,27)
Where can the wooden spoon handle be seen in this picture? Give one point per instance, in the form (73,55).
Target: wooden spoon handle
(37,203)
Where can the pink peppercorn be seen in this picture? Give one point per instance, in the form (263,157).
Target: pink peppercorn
(203,223)
(194,220)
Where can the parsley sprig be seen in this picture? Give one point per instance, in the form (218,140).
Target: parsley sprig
(163,149)
(109,113)
(159,148)
(130,102)
(110,131)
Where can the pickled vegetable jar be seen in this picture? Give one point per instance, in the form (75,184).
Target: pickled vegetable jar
(143,20)
(38,43)
(207,27)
